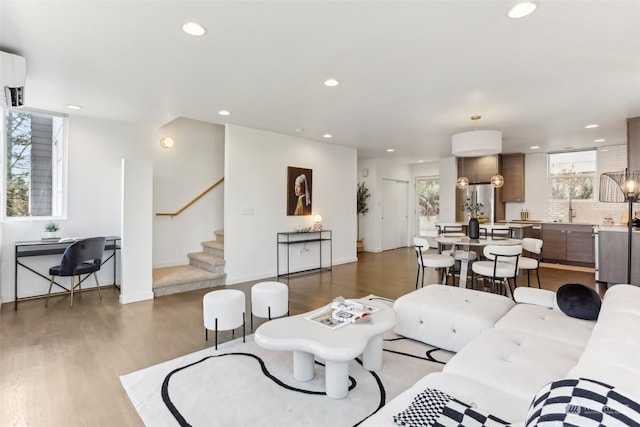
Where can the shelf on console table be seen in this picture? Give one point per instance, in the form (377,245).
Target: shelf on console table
(290,238)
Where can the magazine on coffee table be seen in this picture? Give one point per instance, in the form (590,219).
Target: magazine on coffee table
(342,312)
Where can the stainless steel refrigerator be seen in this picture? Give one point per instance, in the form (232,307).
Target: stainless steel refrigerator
(482,196)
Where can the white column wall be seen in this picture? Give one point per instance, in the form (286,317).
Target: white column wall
(137,231)
(255,199)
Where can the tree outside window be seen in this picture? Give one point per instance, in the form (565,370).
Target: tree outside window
(572,175)
(428,191)
(33,167)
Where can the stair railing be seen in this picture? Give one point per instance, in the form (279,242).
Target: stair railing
(198,197)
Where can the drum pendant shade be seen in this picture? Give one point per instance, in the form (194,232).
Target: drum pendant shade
(476,143)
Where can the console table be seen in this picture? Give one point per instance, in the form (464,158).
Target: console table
(287,240)
(41,248)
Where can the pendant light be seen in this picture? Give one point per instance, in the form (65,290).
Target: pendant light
(477,143)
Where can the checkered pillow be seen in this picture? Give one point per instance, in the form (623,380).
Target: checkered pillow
(434,408)
(582,402)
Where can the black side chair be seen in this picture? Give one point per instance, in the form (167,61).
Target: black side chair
(81,257)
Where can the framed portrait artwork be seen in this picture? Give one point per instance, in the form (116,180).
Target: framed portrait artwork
(299,185)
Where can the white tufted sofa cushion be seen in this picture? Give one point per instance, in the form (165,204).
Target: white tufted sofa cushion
(446,316)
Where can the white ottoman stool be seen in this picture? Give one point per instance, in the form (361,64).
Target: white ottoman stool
(223,310)
(269,299)
(446,316)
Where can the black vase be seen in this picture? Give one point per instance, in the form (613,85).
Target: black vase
(474,228)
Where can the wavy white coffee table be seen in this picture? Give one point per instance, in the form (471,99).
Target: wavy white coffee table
(337,347)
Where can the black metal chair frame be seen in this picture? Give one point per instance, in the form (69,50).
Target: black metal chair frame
(74,264)
(421,266)
(496,260)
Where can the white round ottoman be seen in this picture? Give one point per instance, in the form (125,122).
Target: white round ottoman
(223,310)
(448,317)
(269,300)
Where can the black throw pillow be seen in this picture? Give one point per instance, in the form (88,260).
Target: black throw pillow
(578,301)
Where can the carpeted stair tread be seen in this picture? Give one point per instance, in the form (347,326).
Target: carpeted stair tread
(213,244)
(184,278)
(206,258)
(180,274)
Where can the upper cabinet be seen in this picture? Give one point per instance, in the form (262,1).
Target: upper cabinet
(478,169)
(513,173)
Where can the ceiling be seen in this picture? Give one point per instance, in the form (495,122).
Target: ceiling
(411,73)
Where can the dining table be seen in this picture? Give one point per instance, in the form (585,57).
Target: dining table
(465,244)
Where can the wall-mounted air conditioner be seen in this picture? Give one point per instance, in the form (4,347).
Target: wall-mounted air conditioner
(13,74)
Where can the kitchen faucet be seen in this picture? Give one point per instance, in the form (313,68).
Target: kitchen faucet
(572,214)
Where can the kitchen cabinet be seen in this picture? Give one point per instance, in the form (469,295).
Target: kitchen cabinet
(478,169)
(612,255)
(568,244)
(512,170)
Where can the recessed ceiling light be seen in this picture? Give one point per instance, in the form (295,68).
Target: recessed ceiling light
(599,140)
(390,150)
(74,107)
(522,9)
(420,161)
(224,113)
(534,147)
(327,135)
(331,82)
(591,126)
(194,29)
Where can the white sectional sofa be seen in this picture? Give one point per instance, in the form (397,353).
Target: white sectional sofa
(500,371)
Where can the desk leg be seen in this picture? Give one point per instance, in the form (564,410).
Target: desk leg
(15,283)
(303,365)
(337,379)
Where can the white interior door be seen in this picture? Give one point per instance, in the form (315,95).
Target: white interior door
(394,213)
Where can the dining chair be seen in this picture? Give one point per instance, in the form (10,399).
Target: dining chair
(431,260)
(500,266)
(81,257)
(533,246)
(458,254)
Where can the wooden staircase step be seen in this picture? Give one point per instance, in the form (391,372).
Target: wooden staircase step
(184,278)
(219,235)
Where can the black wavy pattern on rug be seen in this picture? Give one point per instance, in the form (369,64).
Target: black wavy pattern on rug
(184,423)
(428,354)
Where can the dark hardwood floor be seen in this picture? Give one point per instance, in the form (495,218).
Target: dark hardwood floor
(60,366)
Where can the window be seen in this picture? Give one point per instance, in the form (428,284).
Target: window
(572,175)
(34,166)
(428,194)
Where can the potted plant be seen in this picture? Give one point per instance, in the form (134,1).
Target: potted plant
(362,208)
(51,230)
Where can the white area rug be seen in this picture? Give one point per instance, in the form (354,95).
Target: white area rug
(242,384)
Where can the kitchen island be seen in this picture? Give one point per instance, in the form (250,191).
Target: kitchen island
(611,261)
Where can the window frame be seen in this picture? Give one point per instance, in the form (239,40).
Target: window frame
(593,175)
(62,161)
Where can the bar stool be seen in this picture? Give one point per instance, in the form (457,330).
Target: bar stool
(223,310)
(269,299)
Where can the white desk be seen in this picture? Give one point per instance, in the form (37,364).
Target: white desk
(307,339)
(465,244)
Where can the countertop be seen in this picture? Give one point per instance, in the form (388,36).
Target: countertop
(617,228)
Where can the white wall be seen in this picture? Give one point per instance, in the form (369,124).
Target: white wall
(371,223)
(181,173)
(255,199)
(95,152)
